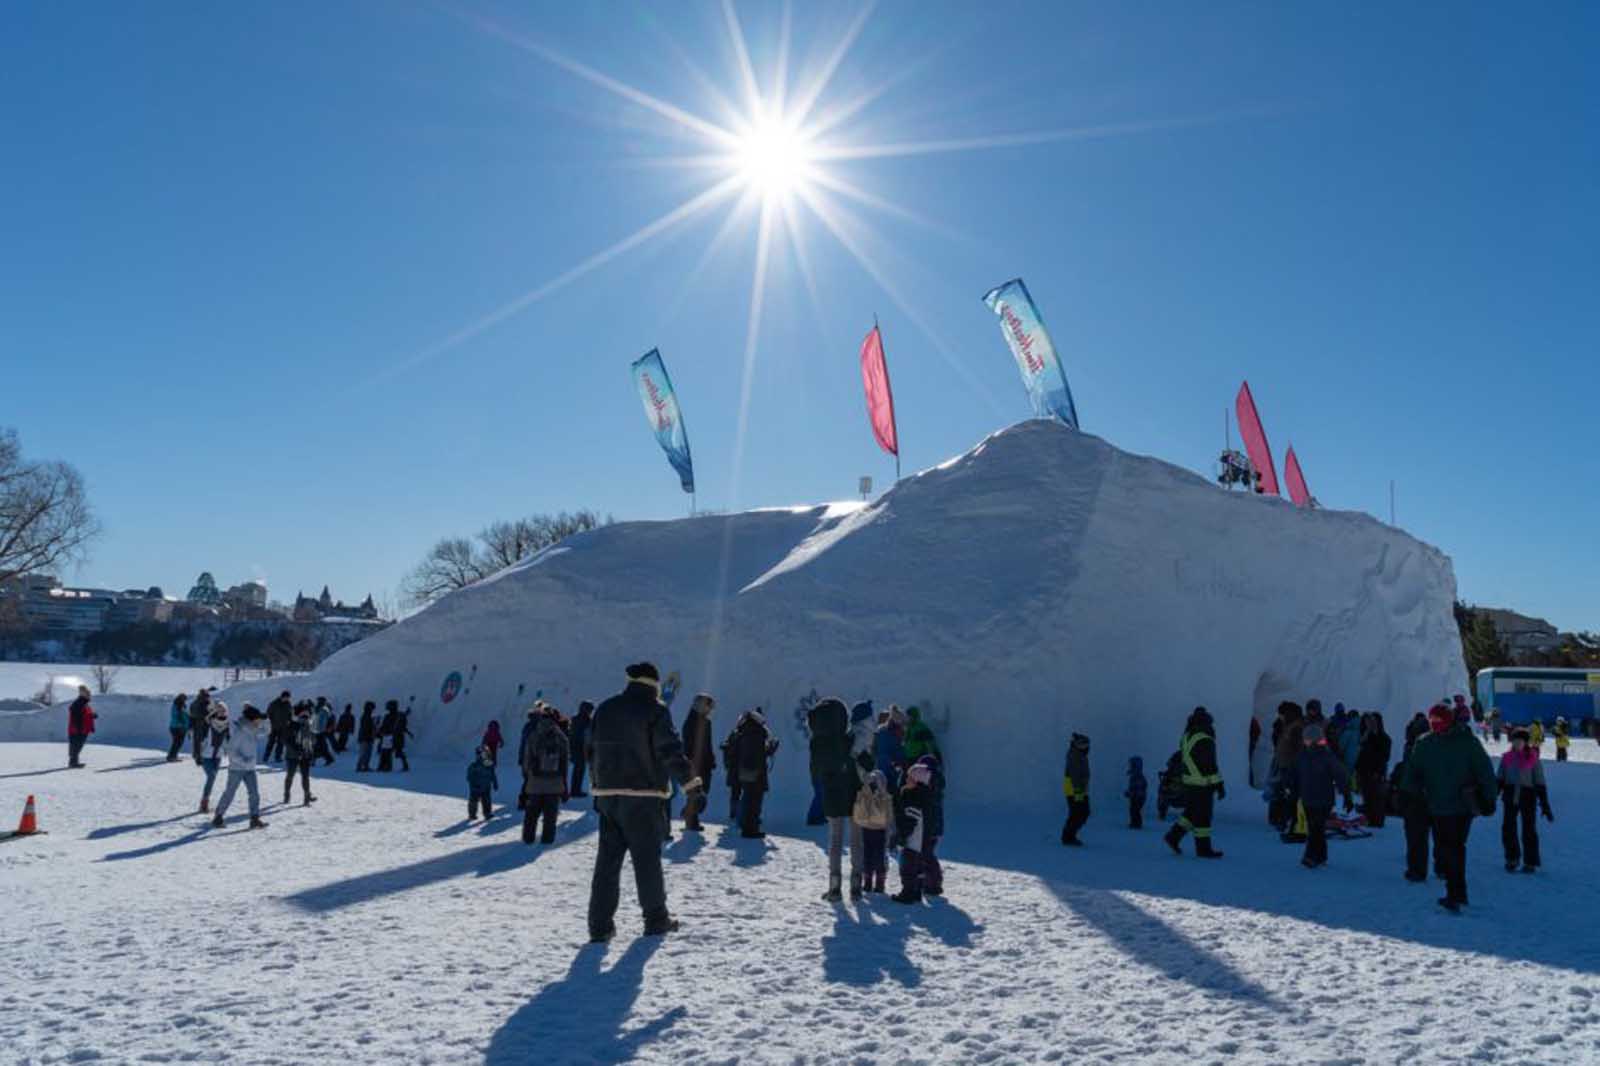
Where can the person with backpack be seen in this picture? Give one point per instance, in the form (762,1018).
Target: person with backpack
(833,767)
(1075,785)
(386,736)
(80,727)
(753,746)
(279,713)
(342,731)
(244,741)
(178,725)
(212,748)
(1202,786)
(1316,776)
(634,755)
(1522,787)
(544,759)
(482,781)
(579,737)
(870,817)
(1138,788)
(1450,768)
(1372,769)
(300,750)
(366,736)
(702,762)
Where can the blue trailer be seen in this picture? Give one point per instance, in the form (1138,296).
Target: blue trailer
(1525,693)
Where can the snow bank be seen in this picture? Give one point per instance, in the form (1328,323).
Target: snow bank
(1045,582)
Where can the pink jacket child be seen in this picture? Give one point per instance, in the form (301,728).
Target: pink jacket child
(1522,791)
(493,740)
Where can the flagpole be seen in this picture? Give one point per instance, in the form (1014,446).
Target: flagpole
(890,389)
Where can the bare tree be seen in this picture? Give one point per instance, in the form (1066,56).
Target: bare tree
(45,520)
(105,678)
(47,693)
(293,648)
(456,562)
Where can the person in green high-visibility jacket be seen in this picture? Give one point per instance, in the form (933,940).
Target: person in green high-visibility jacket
(1202,785)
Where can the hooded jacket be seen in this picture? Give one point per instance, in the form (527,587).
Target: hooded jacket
(300,737)
(244,743)
(1290,737)
(1199,750)
(367,731)
(80,718)
(832,765)
(178,720)
(920,740)
(279,712)
(697,740)
(1317,775)
(750,745)
(1519,772)
(874,807)
(481,778)
(633,749)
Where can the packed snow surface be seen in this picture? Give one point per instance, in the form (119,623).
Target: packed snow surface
(376,927)
(1045,582)
(23,681)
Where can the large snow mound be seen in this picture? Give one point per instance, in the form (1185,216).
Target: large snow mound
(1043,583)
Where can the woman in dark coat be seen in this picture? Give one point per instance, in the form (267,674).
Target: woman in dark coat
(834,770)
(1372,769)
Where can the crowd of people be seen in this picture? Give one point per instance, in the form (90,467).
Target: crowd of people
(878,780)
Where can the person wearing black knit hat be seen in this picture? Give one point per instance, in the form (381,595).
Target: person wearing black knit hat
(634,755)
(1202,786)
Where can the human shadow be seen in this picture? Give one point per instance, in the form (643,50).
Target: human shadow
(138,764)
(580,1018)
(483,860)
(206,831)
(133,827)
(34,773)
(685,848)
(869,942)
(746,852)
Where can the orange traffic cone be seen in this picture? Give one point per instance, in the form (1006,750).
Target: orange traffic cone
(30,822)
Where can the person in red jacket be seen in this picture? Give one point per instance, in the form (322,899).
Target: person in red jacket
(493,741)
(80,723)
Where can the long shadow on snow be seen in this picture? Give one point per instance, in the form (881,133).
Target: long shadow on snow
(1361,890)
(141,764)
(34,773)
(745,852)
(868,942)
(133,827)
(484,860)
(580,1018)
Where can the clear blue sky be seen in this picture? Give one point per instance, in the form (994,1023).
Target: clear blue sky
(230,232)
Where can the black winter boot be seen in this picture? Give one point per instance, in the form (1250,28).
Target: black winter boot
(1174,839)
(833,895)
(1204,850)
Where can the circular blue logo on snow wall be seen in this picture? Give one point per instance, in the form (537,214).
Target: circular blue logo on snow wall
(451,687)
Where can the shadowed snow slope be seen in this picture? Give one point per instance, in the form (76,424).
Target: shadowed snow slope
(1042,583)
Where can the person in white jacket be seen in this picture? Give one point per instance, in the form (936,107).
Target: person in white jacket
(244,751)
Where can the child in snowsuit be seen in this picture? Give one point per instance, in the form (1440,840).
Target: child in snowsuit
(911,811)
(933,828)
(1075,785)
(482,781)
(1522,787)
(1138,788)
(492,741)
(874,809)
(1563,738)
(1317,775)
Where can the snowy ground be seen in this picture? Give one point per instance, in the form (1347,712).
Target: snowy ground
(376,927)
(22,681)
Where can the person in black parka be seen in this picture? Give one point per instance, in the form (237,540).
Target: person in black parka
(702,760)
(753,746)
(346,726)
(279,713)
(402,730)
(833,767)
(366,736)
(544,757)
(386,736)
(634,756)
(1372,769)
(579,735)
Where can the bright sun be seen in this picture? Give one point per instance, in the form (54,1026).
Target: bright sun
(773,158)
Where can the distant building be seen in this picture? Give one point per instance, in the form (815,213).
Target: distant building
(205,591)
(250,596)
(325,609)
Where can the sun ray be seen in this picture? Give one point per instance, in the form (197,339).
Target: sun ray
(681,213)
(738,210)
(803,259)
(825,213)
(839,185)
(825,153)
(819,84)
(677,114)
(747,73)
(780,74)
(837,116)
(752,331)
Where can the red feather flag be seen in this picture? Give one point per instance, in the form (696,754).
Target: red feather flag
(880,398)
(1296,479)
(1255,441)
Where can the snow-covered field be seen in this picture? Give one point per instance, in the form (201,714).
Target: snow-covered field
(23,681)
(375,927)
